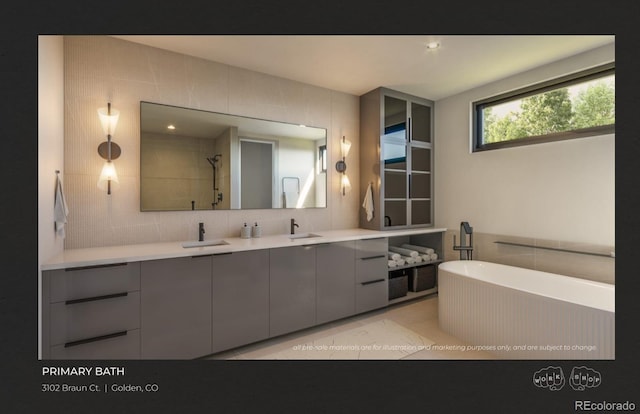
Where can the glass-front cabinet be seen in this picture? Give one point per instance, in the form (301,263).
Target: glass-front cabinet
(396,134)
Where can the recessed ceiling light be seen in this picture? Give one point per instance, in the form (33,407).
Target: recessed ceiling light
(432,45)
(171,127)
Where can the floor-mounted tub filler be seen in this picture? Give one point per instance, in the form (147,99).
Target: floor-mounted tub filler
(518,313)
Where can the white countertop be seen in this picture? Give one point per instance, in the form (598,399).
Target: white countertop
(153,251)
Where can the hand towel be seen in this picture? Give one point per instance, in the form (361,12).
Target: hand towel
(393,263)
(418,259)
(60,209)
(434,256)
(400,261)
(420,249)
(393,256)
(368,203)
(290,199)
(426,257)
(404,252)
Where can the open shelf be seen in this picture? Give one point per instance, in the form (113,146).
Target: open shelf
(433,240)
(407,266)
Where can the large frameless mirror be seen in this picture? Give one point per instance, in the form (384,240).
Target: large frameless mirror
(198,160)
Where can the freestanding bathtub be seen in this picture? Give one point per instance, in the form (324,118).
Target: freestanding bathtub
(518,313)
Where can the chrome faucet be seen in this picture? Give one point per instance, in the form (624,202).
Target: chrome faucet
(466,251)
(200,231)
(293,226)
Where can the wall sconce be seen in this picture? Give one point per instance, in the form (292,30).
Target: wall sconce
(341,166)
(108,150)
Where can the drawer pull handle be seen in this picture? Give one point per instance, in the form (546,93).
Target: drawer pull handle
(94,339)
(210,255)
(372,282)
(373,257)
(72,269)
(94,298)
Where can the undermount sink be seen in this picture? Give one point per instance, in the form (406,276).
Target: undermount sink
(204,243)
(303,236)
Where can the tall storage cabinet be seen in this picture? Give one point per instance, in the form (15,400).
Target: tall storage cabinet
(396,158)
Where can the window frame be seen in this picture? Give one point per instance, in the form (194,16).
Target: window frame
(535,89)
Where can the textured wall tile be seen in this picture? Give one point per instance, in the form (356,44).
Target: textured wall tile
(600,269)
(99,69)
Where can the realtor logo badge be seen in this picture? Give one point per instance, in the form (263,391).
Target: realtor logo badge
(582,378)
(551,378)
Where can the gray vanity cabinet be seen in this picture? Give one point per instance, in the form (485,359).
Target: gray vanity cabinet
(292,293)
(335,281)
(176,308)
(372,287)
(240,298)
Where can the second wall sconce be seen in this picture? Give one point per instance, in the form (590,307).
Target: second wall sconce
(341,166)
(108,150)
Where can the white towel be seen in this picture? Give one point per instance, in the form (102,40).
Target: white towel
(404,252)
(420,249)
(393,263)
(426,257)
(60,209)
(434,256)
(410,260)
(393,256)
(400,262)
(290,199)
(418,259)
(368,203)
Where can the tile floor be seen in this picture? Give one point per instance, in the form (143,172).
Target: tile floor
(419,316)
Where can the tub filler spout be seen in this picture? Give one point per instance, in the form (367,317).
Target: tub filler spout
(466,250)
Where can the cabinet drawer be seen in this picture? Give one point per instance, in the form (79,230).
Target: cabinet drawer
(371,248)
(95,317)
(122,345)
(372,295)
(79,283)
(368,269)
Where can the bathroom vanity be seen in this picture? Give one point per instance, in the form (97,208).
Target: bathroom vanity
(164,301)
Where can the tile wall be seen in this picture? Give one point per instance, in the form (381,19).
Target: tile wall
(99,69)
(597,268)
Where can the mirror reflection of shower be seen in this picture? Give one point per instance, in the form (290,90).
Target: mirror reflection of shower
(217,196)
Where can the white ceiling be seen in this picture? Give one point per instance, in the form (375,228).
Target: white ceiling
(358,64)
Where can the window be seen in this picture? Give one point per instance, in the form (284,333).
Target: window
(574,106)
